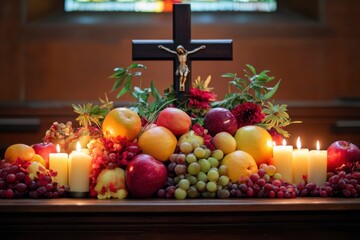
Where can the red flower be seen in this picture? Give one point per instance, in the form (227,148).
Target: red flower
(200,99)
(247,114)
(200,131)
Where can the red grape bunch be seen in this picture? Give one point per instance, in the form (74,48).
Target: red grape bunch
(16,181)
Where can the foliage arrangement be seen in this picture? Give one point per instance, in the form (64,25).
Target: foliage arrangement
(248,98)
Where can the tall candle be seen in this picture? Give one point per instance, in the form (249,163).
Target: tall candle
(283,161)
(317,168)
(79,170)
(300,163)
(59,163)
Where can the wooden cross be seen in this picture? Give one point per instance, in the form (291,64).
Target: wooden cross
(195,49)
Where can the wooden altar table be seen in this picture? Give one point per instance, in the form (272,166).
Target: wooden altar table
(300,218)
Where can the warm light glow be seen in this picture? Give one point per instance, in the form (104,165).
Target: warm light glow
(284,142)
(298,143)
(269,143)
(58,148)
(78,147)
(317,145)
(274,144)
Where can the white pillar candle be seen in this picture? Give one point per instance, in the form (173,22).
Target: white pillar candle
(317,167)
(79,170)
(59,163)
(300,163)
(283,161)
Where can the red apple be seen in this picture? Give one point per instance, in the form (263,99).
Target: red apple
(145,176)
(220,120)
(44,149)
(174,119)
(341,152)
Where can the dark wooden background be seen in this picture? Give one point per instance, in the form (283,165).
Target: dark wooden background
(50,59)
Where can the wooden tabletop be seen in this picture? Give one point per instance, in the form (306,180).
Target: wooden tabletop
(189,205)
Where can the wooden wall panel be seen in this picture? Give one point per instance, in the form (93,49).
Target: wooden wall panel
(51,62)
(10,50)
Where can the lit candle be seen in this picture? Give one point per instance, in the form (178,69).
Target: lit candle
(59,163)
(300,163)
(283,161)
(79,170)
(317,168)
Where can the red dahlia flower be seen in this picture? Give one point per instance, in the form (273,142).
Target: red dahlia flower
(200,99)
(248,114)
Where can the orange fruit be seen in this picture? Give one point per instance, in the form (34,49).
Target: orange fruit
(159,142)
(19,150)
(240,164)
(225,142)
(122,122)
(256,141)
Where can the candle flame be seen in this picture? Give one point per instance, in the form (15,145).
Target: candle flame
(78,147)
(284,142)
(58,148)
(298,143)
(317,145)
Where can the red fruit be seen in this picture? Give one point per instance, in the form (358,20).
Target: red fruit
(220,120)
(44,149)
(174,119)
(145,176)
(341,152)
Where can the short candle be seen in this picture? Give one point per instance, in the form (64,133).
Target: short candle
(300,163)
(283,161)
(79,170)
(317,167)
(59,163)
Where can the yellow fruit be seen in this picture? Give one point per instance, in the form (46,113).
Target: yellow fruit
(158,142)
(122,122)
(225,142)
(239,164)
(38,158)
(191,137)
(256,141)
(19,151)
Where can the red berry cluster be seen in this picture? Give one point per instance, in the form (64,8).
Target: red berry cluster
(108,153)
(16,182)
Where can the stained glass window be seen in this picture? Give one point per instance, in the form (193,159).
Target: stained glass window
(166,5)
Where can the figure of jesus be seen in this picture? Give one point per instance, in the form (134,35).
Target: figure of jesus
(183,69)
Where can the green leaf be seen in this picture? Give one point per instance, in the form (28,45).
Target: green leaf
(272,91)
(252,69)
(118,72)
(137,65)
(121,93)
(154,92)
(128,83)
(118,82)
(263,75)
(229,75)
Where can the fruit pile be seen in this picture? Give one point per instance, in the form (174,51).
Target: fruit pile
(168,149)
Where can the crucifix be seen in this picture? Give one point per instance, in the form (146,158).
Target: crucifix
(182,50)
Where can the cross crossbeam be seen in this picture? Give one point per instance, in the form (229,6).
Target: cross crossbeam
(194,49)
